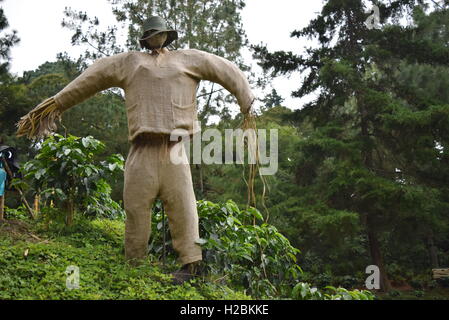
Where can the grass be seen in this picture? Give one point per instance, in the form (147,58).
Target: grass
(34,258)
(429,294)
(33,263)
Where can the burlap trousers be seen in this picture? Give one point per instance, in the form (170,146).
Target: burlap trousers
(149,174)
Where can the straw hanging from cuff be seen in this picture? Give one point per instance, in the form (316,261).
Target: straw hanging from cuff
(41,121)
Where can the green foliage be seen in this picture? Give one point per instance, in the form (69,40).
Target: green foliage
(19,213)
(303,291)
(35,267)
(372,158)
(252,255)
(66,171)
(163,251)
(37,270)
(373,144)
(100,204)
(7,41)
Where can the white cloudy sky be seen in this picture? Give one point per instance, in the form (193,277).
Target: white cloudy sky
(42,37)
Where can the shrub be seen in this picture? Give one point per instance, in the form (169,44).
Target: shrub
(253,256)
(303,291)
(247,255)
(65,171)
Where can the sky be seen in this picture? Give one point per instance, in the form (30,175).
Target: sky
(265,21)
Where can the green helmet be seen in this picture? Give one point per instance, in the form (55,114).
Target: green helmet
(153,26)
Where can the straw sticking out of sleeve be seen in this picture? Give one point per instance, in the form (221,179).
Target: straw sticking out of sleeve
(41,121)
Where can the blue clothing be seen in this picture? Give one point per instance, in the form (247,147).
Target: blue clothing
(2,181)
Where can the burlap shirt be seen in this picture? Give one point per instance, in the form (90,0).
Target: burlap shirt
(160,90)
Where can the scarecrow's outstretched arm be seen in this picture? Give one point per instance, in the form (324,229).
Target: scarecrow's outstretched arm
(224,72)
(101,75)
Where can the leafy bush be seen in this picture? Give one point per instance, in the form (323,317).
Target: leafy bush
(96,247)
(65,171)
(419,293)
(347,281)
(253,256)
(17,213)
(303,291)
(394,293)
(99,203)
(159,235)
(323,279)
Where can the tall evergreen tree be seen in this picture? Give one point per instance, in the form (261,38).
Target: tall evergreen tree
(357,153)
(9,91)
(7,41)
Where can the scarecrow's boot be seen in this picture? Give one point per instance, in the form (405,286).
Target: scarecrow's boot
(186,273)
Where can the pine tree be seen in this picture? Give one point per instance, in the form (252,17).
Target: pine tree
(361,153)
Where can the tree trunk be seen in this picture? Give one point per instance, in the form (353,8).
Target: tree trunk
(376,257)
(2,207)
(432,251)
(373,242)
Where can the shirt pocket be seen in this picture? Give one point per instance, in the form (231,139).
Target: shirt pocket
(184,115)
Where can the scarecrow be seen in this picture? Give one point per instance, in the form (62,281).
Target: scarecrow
(160,92)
